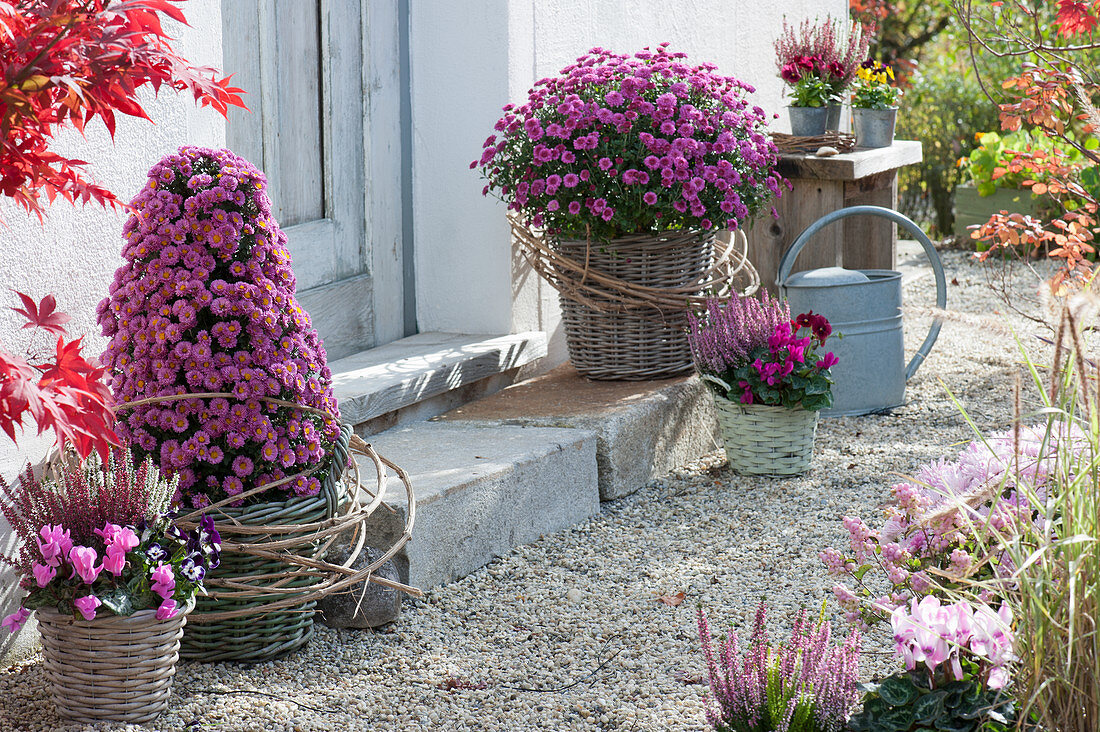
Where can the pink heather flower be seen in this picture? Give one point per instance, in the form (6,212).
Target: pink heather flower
(87,606)
(16,620)
(167,610)
(43,574)
(83,560)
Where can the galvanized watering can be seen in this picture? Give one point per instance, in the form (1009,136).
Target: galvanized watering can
(864,306)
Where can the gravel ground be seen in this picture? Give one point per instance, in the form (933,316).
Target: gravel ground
(568,633)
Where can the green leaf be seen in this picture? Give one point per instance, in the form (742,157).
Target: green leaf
(858,574)
(899,718)
(897,691)
(929,707)
(118,602)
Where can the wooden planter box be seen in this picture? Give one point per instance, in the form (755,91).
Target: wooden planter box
(971,209)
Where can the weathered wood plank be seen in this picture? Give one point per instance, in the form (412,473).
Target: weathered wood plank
(870,242)
(241,58)
(299,185)
(768,238)
(853,165)
(342,314)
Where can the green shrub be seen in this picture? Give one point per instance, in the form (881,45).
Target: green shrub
(944,108)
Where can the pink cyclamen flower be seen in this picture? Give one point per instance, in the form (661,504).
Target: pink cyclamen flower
(87,606)
(54,544)
(16,620)
(43,573)
(83,561)
(167,610)
(164,582)
(115,560)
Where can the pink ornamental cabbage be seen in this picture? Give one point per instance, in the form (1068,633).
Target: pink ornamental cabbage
(205,302)
(659,144)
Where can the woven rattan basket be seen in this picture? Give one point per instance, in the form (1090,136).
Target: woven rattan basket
(766,440)
(244,582)
(609,342)
(111,668)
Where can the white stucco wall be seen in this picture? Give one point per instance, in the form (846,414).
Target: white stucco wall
(469,59)
(75,253)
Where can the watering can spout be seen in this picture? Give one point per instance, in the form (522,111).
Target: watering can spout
(864,306)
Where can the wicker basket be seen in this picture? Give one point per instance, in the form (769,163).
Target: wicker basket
(244,582)
(112,668)
(636,343)
(766,440)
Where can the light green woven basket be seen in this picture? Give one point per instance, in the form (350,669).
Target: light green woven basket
(766,440)
(246,584)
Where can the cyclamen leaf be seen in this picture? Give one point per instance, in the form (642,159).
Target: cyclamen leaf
(118,602)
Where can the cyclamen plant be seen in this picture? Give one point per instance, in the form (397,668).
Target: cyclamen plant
(942,528)
(957,661)
(619,145)
(205,304)
(750,351)
(73,559)
(804,685)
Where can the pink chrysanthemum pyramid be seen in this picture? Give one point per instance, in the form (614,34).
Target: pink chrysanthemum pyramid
(204,303)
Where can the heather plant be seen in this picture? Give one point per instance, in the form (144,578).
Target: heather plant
(98,536)
(619,145)
(750,351)
(819,60)
(804,685)
(204,304)
(956,659)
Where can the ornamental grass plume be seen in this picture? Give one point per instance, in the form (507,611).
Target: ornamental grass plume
(804,685)
(205,303)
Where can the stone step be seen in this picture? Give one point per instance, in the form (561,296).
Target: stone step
(644,428)
(481,489)
(427,374)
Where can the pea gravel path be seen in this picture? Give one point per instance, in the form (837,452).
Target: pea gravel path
(568,633)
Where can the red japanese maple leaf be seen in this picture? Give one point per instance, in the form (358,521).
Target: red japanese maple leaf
(42,315)
(1075,18)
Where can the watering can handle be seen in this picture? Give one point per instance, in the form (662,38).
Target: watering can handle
(786,263)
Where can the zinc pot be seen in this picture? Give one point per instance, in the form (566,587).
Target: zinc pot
(607,341)
(809,121)
(111,668)
(833,120)
(874,127)
(766,440)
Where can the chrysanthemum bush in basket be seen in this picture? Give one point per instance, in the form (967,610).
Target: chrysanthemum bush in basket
(625,144)
(770,376)
(205,304)
(619,172)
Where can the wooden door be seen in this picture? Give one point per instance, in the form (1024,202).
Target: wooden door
(301,63)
